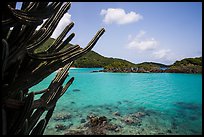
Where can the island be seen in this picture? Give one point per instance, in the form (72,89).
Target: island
(95,60)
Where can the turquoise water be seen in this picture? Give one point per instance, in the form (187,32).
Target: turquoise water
(172,101)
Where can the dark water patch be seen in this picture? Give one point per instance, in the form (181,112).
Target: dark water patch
(72,102)
(88,106)
(119,102)
(76,90)
(193,117)
(190,106)
(188,112)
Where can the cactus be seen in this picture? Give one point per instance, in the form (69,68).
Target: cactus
(24,65)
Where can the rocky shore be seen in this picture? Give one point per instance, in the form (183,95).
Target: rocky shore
(142,70)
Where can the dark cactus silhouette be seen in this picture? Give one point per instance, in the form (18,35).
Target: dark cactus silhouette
(23,67)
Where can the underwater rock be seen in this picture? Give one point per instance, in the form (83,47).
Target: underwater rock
(128,120)
(60,127)
(76,132)
(100,124)
(112,127)
(114,118)
(169,131)
(95,120)
(132,120)
(62,116)
(83,120)
(138,114)
(116,113)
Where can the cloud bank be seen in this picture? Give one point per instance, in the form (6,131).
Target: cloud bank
(142,44)
(119,16)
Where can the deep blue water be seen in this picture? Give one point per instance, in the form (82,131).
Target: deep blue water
(174,99)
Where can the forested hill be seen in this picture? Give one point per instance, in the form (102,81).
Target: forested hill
(93,59)
(188,65)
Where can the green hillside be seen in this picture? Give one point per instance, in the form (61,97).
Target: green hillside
(151,65)
(93,59)
(188,62)
(189,65)
(47,44)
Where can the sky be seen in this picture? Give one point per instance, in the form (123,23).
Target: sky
(161,32)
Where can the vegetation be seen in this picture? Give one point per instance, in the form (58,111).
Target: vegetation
(93,59)
(151,65)
(188,65)
(188,62)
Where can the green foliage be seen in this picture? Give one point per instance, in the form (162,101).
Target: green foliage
(45,45)
(188,62)
(150,65)
(190,65)
(93,59)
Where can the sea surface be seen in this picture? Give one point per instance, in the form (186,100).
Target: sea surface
(170,103)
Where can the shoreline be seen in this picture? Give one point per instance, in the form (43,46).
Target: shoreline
(130,70)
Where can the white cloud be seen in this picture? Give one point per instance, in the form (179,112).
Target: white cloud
(142,44)
(65,20)
(141,34)
(119,16)
(167,56)
(162,54)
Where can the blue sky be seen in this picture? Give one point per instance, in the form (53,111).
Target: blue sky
(160,32)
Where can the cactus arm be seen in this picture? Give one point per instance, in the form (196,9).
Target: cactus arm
(48,116)
(38,130)
(24,128)
(63,44)
(88,47)
(24,113)
(24,17)
(53,56)
(60,38)
(34,118)
(50,25)
(67,85)
(5,53)
(24,67)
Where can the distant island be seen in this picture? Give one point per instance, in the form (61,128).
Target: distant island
(93,59)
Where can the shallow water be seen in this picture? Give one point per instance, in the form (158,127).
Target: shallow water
(172,103)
